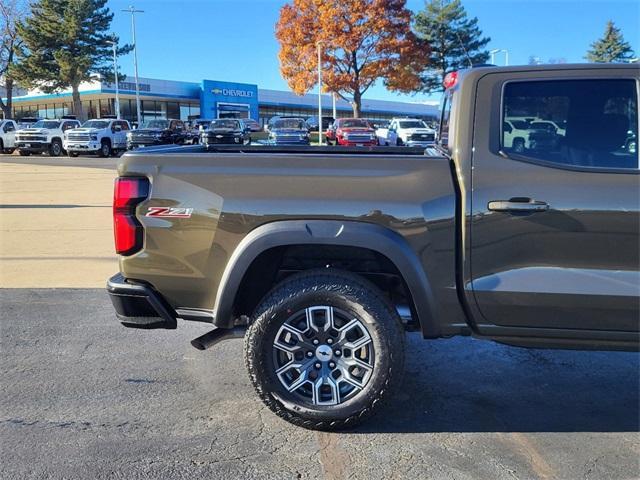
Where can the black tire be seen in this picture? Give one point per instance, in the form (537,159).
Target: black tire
(72,154)
(518,145)
(9,151)
(355,297)
(399,142)
(24,153)
(55,149)
(105,149)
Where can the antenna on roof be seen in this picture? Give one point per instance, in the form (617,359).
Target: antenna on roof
(464,49)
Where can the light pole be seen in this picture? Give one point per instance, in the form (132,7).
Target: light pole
(133,11)
(115,74)
(498,50)
(333,98)
(318,44)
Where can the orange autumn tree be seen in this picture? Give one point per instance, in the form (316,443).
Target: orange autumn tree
(362,41)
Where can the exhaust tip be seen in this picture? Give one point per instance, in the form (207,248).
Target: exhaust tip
(217,335)
(198,344)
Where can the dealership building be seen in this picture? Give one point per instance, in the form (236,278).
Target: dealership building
(206,99)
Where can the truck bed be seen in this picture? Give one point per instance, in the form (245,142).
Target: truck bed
(234,190)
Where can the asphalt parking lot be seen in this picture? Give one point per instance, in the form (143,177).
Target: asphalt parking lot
(84,397)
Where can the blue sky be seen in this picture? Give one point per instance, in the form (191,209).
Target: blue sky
(233,40)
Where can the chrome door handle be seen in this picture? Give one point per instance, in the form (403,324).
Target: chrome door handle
(519,205)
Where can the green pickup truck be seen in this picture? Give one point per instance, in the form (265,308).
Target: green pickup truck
(520,226)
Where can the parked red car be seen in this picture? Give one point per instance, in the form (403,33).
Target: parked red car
(351,132)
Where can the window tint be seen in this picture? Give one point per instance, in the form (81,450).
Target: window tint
(588,123)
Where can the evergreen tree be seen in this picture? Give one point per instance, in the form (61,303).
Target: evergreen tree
(611,48)
(10,13)
(456,41)
(65,42)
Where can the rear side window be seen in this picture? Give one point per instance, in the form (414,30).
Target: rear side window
(584,123)
(445,115)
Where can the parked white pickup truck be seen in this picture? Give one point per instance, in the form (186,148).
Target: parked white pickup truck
(7,136)
(411,132)
(102,136)
(44,136)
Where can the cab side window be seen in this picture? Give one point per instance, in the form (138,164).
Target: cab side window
(583,123)
(445,115)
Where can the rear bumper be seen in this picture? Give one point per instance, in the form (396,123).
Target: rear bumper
(138,305)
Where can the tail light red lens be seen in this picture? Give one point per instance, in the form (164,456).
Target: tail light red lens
(128,232)
(450,80)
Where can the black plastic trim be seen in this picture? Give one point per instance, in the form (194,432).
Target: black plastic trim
(138,305)
(325,232)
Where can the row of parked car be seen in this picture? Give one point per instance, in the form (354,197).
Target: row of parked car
(109,135)
(352,131)
(102,136)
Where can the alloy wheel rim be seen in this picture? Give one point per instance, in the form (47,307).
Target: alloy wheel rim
(323,355)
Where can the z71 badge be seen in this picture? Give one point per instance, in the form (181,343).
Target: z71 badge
(172,212)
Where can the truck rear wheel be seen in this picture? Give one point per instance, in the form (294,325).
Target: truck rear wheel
(324,349)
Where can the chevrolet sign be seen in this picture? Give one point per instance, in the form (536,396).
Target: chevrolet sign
(232,92)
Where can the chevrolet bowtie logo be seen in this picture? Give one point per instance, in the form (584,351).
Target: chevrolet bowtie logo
(216,91)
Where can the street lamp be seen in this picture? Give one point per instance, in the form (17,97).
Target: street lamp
(114,44)
(133,11)
(318,43)
(333,98)
(498,50)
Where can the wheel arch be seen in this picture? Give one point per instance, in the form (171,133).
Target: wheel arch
(383,241)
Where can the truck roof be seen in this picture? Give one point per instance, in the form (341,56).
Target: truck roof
(481,70)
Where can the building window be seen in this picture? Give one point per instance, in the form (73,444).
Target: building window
(173,110)
(106,107)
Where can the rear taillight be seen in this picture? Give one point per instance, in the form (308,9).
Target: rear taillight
(128,232)
(450,80)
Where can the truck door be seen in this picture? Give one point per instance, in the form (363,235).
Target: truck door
(9,136)
(554,227)
(120,136)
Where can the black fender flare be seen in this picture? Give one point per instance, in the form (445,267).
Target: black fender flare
(328,232)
